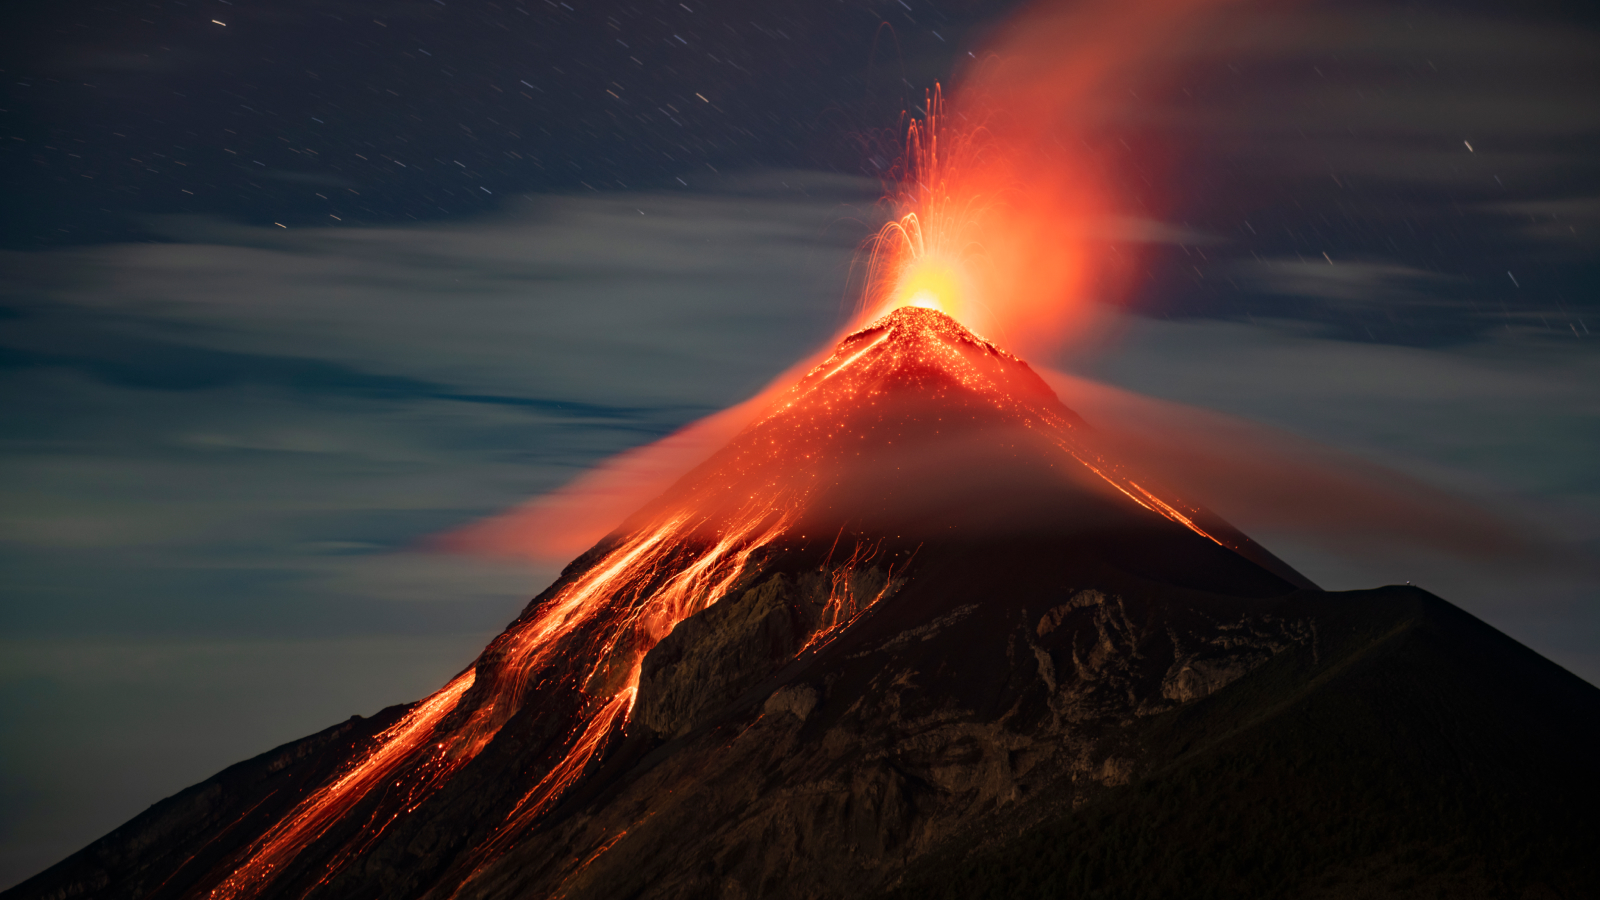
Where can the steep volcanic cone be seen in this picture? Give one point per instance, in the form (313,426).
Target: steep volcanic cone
(916,429)
(910,613)
(914,434)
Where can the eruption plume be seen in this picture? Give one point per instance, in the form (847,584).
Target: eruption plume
(1004,194)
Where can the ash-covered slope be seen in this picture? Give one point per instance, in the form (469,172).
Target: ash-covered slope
(906,620)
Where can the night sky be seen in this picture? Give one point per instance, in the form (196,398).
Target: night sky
(287,288)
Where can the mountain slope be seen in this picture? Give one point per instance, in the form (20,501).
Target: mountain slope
(906,619)
(1423,754)
(1145,742)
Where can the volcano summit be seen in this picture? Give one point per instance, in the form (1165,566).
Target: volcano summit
(911,632)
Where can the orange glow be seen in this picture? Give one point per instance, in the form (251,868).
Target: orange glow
(968,235)
(932,285)
(1004,196)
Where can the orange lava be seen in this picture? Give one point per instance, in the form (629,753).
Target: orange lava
(404,744)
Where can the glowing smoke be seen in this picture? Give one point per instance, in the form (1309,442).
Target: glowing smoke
(1000,207)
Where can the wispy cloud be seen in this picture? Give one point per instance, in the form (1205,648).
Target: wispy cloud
(1394,93)
(1507,424)
(1373,283)
(242,397)
(1441,161)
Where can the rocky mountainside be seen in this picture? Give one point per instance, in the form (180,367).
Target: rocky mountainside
(912,634)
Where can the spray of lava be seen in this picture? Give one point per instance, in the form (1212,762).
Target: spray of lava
(987,234)
(925,255)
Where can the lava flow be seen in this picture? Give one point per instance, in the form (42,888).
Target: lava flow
(814,471)
(586,641)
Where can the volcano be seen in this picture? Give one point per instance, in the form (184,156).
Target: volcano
(913,633)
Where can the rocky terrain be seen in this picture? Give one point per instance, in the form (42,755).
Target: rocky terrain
(1114,737)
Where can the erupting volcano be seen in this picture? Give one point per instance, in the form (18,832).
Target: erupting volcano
(911,628)
(910,617)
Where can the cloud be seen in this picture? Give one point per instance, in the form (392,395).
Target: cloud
(1463,75)
(246,398)
(555,293)
(1506,426)
(1559,221)
(1384,283)
(1427,152)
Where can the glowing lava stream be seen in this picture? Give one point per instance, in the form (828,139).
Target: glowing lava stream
(316,813)
(607,619)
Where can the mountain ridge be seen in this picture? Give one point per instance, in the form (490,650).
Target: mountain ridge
(909,602)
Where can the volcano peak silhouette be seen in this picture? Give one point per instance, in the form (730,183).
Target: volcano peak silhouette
(908,624)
